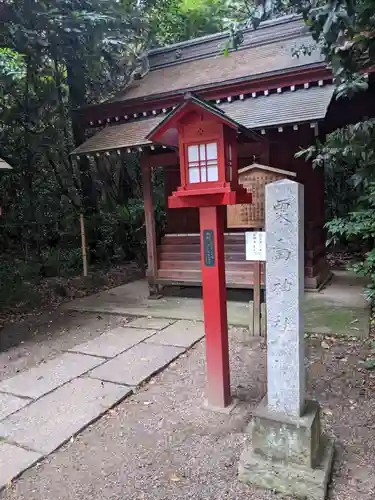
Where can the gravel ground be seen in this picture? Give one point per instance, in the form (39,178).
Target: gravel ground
(161,444)
(44,336)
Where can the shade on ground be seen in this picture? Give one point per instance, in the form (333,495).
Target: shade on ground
(339,309)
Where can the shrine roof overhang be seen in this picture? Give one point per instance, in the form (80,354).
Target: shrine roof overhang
(256,114)
(166,132)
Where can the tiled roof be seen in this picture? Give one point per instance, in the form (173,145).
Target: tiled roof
(120,136)
(270,50)
(304,105)
(283,28)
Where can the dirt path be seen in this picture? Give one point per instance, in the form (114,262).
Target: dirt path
(43,336)
(160,444)
(29,335)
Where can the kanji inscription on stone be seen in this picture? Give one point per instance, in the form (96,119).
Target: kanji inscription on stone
(284,295)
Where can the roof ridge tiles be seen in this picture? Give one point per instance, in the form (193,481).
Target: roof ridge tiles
(205,47)
(223,34)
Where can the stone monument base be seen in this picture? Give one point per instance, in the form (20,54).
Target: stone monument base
(288,454)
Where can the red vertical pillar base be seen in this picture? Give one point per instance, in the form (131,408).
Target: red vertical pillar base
(215,305)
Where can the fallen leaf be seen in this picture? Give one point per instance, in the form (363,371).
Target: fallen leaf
(174,478)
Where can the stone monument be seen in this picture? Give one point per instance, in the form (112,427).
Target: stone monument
(288,453)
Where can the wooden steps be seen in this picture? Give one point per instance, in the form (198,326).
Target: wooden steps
(194,277)
(180,261)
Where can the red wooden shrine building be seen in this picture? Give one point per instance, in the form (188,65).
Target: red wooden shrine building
(279,102)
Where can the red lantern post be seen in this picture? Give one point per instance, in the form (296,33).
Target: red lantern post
(207,143)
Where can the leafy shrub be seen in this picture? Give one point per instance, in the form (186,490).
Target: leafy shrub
(350,152)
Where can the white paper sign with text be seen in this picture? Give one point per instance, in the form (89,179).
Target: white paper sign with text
(255,245)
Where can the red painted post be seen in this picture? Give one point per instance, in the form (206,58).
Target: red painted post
(215,305)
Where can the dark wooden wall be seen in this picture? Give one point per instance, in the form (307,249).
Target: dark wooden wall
(179,220)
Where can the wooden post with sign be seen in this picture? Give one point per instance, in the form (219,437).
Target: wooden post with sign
(255,252)
(215,305)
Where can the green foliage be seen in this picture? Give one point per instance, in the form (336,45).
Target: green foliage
(56,57)
(348,158)
(178,20)
(12,64)
(250,13)
(17,284)
(349,154)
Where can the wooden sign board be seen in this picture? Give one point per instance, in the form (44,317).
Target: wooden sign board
(254,178)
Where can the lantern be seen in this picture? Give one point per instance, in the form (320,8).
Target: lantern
(207,142)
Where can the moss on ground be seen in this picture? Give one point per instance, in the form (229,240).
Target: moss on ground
(329,319)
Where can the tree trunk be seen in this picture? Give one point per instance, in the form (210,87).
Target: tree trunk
(77,97)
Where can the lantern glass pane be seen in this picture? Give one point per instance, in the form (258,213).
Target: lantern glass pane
(212,151)
(194,175)
(212,173)
(202,152)
(193,153)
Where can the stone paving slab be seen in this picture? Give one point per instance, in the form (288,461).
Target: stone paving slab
(344,292)
(183,333)
(13,461)
(10,404)
(151,323)
(114,342)
(46,424)
(47,376)
(136,365)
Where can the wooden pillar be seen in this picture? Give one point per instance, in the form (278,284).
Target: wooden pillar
(152,260)
(257,298)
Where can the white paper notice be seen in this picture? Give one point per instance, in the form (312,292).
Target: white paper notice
(256,245)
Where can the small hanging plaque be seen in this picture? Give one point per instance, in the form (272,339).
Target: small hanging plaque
(208,248)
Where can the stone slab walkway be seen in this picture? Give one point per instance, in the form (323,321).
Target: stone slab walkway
(43,407)
(160,443)
(339,309)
